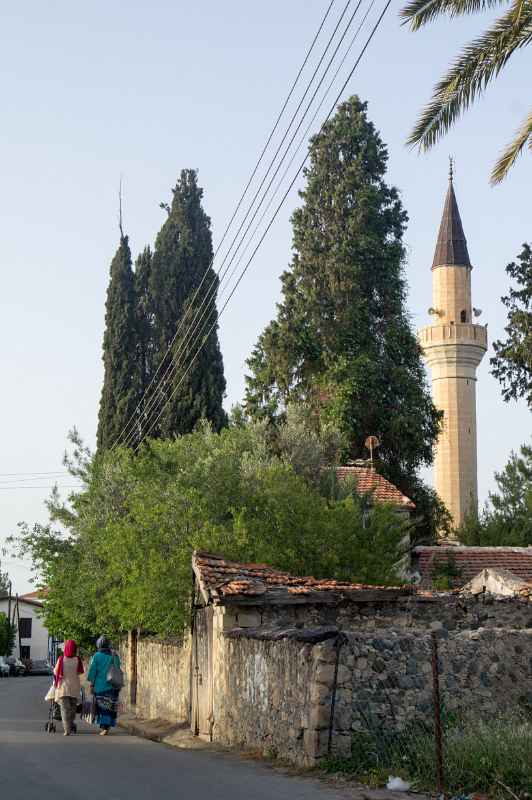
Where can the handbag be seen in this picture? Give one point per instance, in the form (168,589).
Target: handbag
(115,676)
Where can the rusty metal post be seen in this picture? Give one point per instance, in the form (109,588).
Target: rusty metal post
(437,714)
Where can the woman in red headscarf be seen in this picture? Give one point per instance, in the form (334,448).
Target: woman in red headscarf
(67,685)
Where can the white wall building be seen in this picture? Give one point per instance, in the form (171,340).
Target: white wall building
(33,634)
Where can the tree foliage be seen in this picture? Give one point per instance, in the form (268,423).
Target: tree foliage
(507,518)
(121,383)
(512,363)
(480,62)
(181,283)
(7,635)
(342,340)
(117,555)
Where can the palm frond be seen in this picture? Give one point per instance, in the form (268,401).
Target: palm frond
(420,12)
(511,153)
(479,62)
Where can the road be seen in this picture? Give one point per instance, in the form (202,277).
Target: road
(35,765)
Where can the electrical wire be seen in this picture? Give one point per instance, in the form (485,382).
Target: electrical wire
(278,208)
(239,204)
(194,324)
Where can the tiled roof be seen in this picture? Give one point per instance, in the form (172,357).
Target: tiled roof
(223,581)
(472,560)
(451,247)
(38,595)
(369,481)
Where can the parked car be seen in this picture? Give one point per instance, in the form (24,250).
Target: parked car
(16,667)
(4,667)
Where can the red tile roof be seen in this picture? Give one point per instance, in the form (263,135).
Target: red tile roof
(472,560)
(370,482)
(221,580)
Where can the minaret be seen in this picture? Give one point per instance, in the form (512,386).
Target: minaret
(454,347)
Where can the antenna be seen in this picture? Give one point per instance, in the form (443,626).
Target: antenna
(371,444)
(451,168)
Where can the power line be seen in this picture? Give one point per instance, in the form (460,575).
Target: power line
(243,272)
(12,474)
(239,204)
(53,486)
(173,366)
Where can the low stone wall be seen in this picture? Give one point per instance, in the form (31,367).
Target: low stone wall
(482,672)
(273,692)
(163,679)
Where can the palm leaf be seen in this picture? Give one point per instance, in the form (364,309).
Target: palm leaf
(420,12)
(478,64)
(510,155)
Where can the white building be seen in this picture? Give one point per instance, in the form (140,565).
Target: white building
(33,634)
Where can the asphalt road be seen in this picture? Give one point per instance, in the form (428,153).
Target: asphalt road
(35,765)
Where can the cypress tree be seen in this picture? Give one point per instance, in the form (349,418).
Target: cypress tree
(120,392)
(144,308)
(183,252)
(342,338)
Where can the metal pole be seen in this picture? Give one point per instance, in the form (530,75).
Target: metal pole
(437,714)
(18,628)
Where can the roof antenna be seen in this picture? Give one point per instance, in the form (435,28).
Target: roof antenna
(371,444)
(451,168)
(120,208)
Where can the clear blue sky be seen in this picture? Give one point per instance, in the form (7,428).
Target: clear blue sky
(145,89)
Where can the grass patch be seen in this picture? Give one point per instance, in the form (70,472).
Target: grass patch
(478,756)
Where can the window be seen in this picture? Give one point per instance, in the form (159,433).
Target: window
(463,316)
(25,651)
(24,627)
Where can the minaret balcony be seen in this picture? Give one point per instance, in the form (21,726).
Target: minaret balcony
(444,333)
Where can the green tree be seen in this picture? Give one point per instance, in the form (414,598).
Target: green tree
(477,65)
(342,340)
(178,287)
(129,535)
(121,383)
(4,580)
(7,635)
(507,518)
(512,362)
(145,321)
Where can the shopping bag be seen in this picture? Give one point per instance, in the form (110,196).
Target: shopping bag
(50,694)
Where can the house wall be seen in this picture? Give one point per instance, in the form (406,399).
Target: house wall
(38,643)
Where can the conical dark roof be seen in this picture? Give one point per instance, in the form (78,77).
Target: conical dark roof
(451,247)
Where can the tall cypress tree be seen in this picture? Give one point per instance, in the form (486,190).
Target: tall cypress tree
(342,338)
(183,252)
(121,383)
(145,343)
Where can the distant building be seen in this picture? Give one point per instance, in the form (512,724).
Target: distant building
(376,487)
(34,639)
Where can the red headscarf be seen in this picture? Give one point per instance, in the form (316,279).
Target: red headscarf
(69,652)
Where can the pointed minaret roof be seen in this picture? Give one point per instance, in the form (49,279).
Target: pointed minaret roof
(451,247)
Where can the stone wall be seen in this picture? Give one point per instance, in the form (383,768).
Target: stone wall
(482,672)
(273,692)
(456,612)
(163,679)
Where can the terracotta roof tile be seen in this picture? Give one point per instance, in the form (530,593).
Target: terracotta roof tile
(370,482)
(472,560)
(219,578)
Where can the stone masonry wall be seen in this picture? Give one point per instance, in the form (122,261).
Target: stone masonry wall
(482,672)
(163,679)
(273,692)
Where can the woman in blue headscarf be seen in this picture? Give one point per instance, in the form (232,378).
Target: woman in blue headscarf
(106,695)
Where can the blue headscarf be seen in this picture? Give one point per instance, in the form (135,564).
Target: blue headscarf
(104,645)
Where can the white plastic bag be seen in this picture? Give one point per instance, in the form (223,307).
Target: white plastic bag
(397,784)
(50,694)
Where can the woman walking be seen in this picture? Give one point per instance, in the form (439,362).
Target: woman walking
(67,685)
(106,695)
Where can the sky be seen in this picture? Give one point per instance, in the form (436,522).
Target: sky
(93,92)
